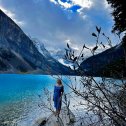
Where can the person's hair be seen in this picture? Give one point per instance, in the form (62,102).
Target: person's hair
(59,82)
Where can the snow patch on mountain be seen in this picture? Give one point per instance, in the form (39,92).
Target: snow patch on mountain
(41,48)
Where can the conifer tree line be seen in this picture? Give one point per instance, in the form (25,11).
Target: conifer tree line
(119,14)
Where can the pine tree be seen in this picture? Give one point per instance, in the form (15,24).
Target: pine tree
(119,14)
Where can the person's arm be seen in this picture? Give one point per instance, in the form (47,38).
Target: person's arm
(53,93)
(62,91)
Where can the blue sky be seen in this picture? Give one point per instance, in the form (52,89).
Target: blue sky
(57,22)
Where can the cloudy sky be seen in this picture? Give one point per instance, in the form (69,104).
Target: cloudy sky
(57,22)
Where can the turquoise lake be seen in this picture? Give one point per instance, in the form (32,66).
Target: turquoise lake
(19,97)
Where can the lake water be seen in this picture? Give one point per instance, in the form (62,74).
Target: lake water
(19,97)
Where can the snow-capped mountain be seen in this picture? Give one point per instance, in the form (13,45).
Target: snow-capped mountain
(41,48)
(52,55)
(60,56)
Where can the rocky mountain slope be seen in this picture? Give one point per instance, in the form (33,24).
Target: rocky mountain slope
(19,54)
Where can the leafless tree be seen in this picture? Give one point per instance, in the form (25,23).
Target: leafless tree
(104,97)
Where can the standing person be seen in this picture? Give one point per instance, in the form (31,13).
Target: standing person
(57,96)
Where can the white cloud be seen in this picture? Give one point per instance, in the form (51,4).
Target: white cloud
(106,4)
(65,4)
(12,16)
(83,3)
(53,1)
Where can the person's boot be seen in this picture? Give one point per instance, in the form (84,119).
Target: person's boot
(57,119)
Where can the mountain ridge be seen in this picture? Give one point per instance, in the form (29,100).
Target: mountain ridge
(107,63)
(15,42)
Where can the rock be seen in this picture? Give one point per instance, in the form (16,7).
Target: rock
(40,122)
(66,118)
(54,121)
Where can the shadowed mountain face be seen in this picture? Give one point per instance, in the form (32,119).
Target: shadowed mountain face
(18,53)
(108,63)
